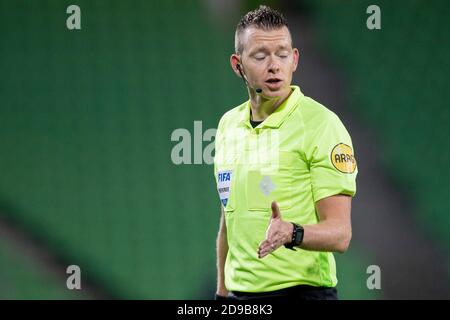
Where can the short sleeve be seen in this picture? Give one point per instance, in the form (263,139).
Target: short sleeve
(332,162)
(218,142)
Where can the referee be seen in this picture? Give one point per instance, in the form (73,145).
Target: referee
(285,172)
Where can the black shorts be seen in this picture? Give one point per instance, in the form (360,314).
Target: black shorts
(300,292)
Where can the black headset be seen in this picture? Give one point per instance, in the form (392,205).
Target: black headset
(257,90)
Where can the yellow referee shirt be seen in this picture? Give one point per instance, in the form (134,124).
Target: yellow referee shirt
(298,155)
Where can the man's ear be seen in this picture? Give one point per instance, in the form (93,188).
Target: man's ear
(296,54)
(235,64)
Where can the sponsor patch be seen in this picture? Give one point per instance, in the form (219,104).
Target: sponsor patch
(224,185)
(343,159)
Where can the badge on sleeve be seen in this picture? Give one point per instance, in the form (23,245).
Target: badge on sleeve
(343,159)
(223,185)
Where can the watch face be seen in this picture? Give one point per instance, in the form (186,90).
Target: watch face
(298,235)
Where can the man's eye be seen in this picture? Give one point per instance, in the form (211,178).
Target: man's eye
(259,58)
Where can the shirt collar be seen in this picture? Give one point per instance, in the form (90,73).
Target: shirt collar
(275,119)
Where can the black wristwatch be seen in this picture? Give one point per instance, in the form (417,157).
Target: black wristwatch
(297,237)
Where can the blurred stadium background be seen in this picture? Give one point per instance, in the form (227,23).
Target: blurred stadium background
(86,118)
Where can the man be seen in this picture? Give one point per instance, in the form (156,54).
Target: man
(285,174)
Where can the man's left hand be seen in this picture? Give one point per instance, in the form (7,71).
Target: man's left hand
(278,233)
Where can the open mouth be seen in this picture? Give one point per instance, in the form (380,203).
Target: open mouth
(274,80)
(274,83)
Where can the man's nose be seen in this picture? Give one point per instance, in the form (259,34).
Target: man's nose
(274,67)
